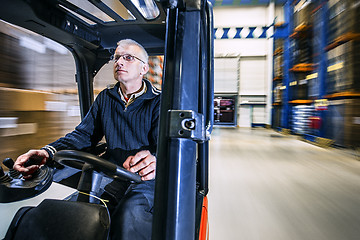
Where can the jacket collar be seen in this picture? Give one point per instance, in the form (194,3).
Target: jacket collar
(150,93)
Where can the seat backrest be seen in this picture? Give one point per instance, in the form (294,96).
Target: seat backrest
(60,220)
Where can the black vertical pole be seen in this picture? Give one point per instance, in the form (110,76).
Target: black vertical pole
(206,93)
(84,79)
(174,209)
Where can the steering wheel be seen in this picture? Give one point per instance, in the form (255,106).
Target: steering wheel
(76,159)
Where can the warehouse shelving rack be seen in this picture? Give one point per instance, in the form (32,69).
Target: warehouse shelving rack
(281,109)
(316,71)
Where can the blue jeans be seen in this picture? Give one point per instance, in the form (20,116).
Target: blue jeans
(132,218)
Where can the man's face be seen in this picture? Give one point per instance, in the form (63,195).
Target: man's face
(130,66)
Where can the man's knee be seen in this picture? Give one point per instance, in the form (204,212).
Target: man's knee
(135,207)
(132,218)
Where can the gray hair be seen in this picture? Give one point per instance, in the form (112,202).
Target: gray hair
(130,42)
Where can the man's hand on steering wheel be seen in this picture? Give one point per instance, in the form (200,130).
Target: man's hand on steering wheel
(143,163)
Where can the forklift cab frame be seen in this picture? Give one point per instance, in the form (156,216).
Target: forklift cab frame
(183,32)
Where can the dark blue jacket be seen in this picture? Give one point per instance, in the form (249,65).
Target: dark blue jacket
(126,130)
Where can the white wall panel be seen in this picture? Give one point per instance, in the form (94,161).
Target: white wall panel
(253,89)
(259,114)
(243,47)
(253,76)
(226,75)
(241,16)
(244,116)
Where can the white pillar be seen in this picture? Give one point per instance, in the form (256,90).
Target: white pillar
(270,32)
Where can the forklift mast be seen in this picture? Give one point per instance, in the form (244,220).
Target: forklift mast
(186,119)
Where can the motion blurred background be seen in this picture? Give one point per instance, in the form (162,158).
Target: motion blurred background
(285,71)
(38,92)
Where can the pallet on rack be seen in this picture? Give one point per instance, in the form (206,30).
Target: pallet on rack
(343,39)
(303,67)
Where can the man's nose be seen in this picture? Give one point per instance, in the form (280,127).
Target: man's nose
(120,61)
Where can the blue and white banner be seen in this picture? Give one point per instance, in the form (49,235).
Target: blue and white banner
(242,32)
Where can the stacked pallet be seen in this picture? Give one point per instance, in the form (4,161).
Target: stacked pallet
(154,74)
(299,87)
(342,122)
(277,113)
(300,122)
(343,73)
(343,18)
(278,66)
(302,42)
(303,13)
(302,50)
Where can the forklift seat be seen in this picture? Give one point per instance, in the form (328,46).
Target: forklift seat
(59,220)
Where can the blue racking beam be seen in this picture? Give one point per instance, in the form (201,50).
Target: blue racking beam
(323,60)
(288,9)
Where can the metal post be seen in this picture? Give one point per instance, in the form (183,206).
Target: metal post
(287,65)
(84,79)
(323,62)
(174,208)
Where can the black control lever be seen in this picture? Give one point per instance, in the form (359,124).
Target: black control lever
(33,161)
(1,172)
(9,163)
(14,188)
(4,177)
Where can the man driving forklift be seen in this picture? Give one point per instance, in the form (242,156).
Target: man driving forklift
(127,114)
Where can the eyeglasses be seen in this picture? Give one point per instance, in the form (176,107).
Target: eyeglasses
(126,57)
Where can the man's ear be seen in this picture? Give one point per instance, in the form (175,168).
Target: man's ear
(144,69)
